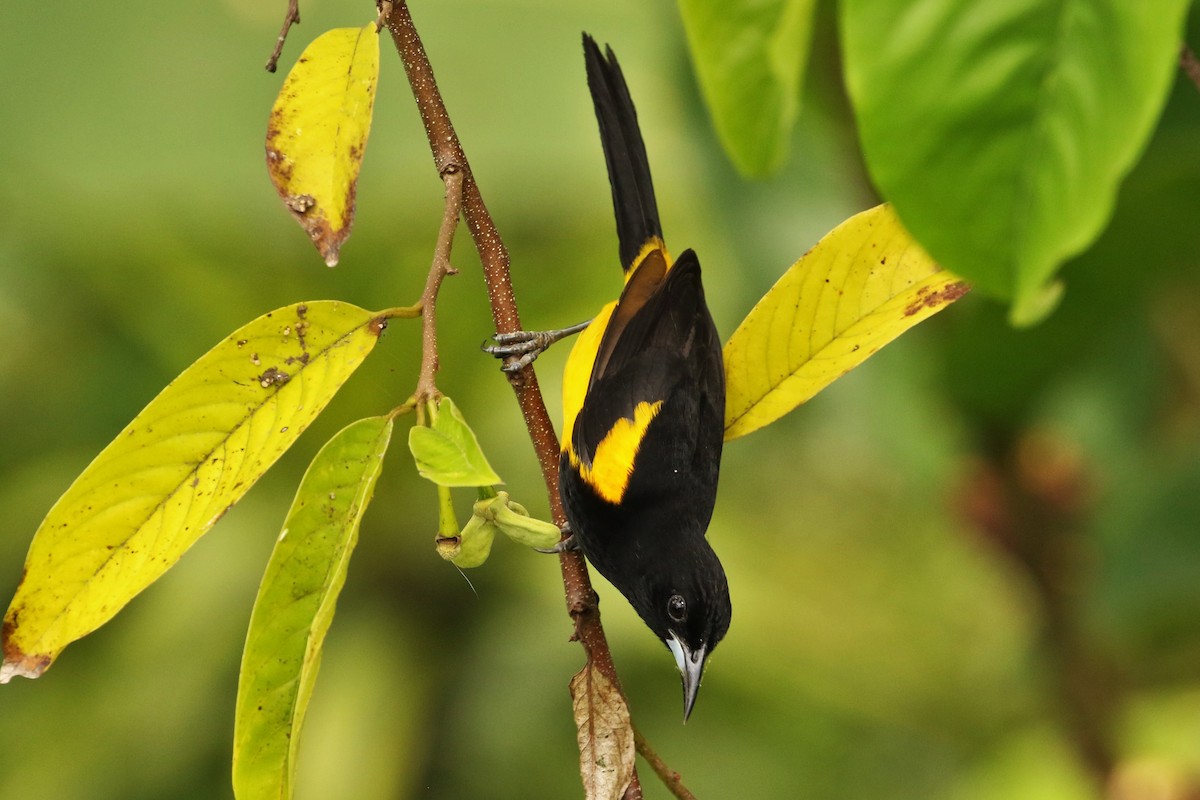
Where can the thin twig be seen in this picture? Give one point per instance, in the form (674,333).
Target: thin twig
(292,18)
(1190,65)
(581,599)
(452,176)
(385,9)
(1033,498)
(670,778)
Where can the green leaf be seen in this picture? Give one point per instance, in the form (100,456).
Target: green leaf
(1001,131)
(295,606)
(863,285)
(749,58)
(318,130)
(447,452)
(176,469)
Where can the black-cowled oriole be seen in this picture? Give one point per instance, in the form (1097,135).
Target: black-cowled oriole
(643,412)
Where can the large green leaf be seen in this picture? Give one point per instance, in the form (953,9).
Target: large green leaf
(749,58)
(176,469)
(1001,131)
(295,606)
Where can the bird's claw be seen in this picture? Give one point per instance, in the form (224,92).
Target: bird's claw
(569,544)
(521,348)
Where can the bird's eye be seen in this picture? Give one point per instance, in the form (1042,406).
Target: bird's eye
(677,608)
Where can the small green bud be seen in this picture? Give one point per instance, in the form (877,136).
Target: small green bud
(471,547)
(514,521)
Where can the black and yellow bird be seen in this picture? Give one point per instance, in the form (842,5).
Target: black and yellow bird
(643,412)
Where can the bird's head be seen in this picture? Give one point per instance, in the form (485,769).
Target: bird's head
(688,608)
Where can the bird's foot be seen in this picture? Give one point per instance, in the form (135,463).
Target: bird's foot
(568,544)
(521,348)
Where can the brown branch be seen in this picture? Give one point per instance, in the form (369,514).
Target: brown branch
(581,599)
(670,778)
(1190,65)
(1033,498)
(452,176)
(291,18)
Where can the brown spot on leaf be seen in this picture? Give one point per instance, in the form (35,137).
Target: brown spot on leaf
(377,325)
(930,299)
(220,515)
(300,203)
(273,376)
(16,662)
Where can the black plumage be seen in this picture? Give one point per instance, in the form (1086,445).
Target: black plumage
(640,465)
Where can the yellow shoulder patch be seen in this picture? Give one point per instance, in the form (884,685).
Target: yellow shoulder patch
(612,463)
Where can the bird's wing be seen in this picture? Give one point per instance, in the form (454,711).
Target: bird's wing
(659,355)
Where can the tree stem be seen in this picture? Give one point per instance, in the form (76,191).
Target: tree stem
(670,778)
(449,158)
(1190,65)
(438,270)
(291,18)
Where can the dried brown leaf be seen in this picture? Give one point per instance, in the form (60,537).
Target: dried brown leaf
(604,733)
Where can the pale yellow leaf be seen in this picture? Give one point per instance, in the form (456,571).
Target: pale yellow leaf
(863,285)
(318,132)
(604,733)
(176,469)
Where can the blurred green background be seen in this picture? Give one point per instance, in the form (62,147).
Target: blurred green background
(970,569)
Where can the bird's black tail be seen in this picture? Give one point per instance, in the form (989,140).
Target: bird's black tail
(624,152)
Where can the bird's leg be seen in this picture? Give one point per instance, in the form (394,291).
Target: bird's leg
(569,543)
(520,348)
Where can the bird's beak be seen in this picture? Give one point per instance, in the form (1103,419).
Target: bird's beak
(691,667)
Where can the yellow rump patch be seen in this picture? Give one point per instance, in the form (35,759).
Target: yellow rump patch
(652,244)
(612,463)
(578,371)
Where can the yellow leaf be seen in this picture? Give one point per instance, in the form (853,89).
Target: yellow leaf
(176,469)
(863,285)
(318,132)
